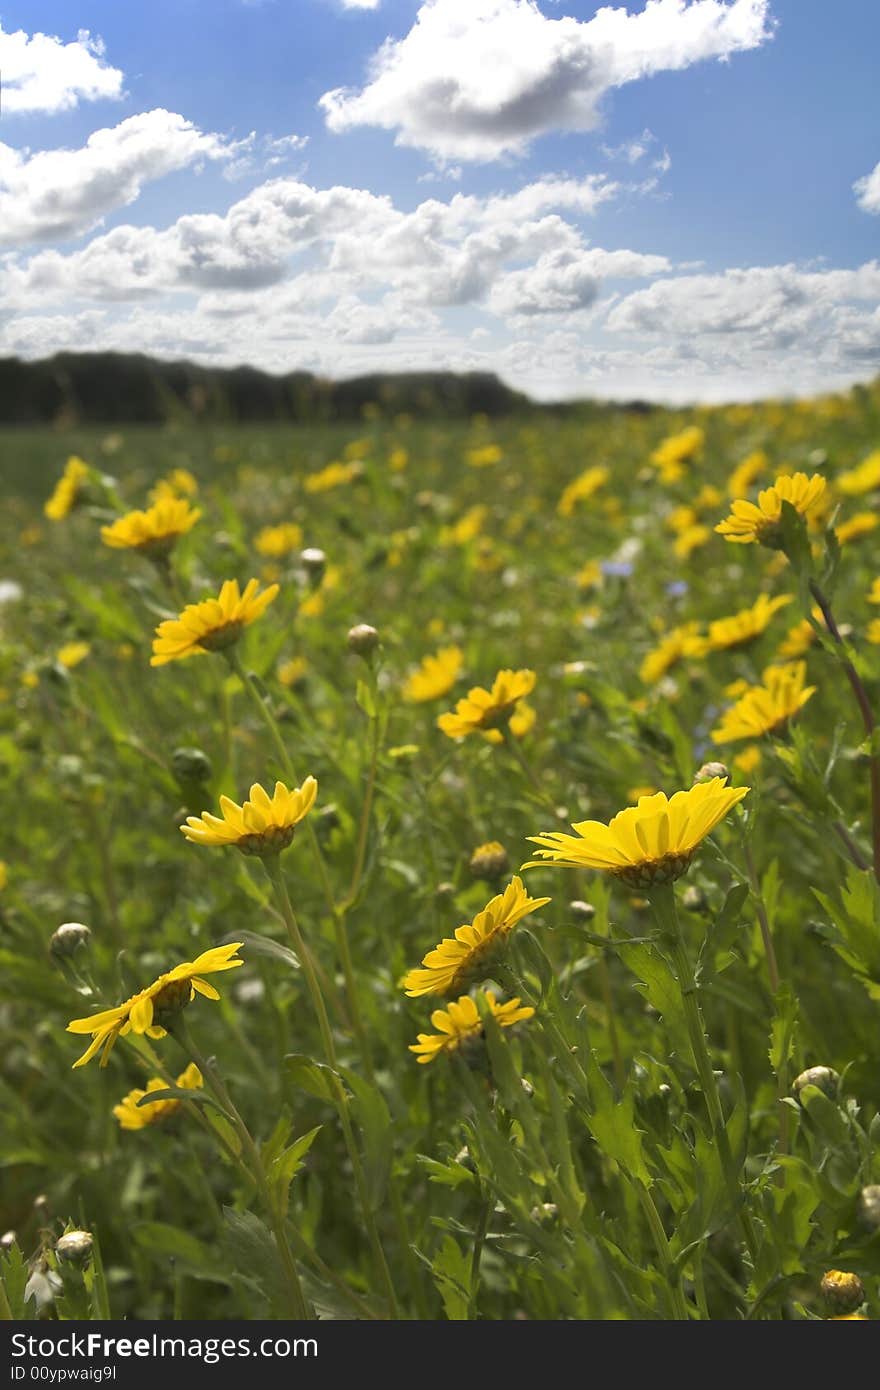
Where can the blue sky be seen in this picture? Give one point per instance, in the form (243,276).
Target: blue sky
(672,199)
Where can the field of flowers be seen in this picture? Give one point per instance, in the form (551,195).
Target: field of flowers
(353,962)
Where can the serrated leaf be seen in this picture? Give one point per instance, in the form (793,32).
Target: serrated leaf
(309,1076)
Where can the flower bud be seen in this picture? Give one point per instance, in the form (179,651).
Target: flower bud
(826,1078)
(74,1247)
(710,770)
(67,939)
(363,639)
(869,1206)
(445,890)
(314,562)
(693,899)
(7,1240)
(582,910)
(842,1291)
(489,861)
(191,765)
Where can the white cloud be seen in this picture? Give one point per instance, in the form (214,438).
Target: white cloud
(57,194)
(257,155)
(43,73)
(475,79)
(360,4)
(563,281)
(867,191)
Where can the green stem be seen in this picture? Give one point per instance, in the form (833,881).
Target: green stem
(366,811)
(523,763)
(273,870)
(486,1204)
(180,1032)
(677,1300)
(663,904)
(763,919)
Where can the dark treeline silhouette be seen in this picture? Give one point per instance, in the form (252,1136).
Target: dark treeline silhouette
(129,388)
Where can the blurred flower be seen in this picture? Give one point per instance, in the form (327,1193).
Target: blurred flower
(398,460)
(277,541)
(261,825)
(799,638)
(862,524)
(484,456)
(489,861)
(486,709)
(435,676)
(460,1025)
(589,576)
(746,472)
(767,708)
(466,528)
(679,643)
(334,475)
(745,626)
(461,960)
(71,654)
(874,595)
(179,483)
(582,488)
(67,490)
(4,874)
(676,450)
(291,672)
(131,1115)
(748,522)
(154,531)
(147,1011)
(690,540)
(653,842)
(211,625)
(749,760)
(521,722)
(863,478)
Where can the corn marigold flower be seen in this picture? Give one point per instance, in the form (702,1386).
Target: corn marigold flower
(132,1115)
(262,825)
(487,709)
(467,528)
(179,483)
(71,654)
(649,843)
(521,722)
(460,960)
(67,490)
(799,638)
(484,456)
(334,475)
(459,1027)
(874,595)
(152,1008)
(155,531)
(767,708)
(435,676)
(489,861)
(676,450)
(865,477)
(277,541)
(862,524)
(590,575)
(745,473)
(762,522)
(291,672)
(690,540)
(582,488)
(745,626)
(677,645)
(873,632)
(213,624)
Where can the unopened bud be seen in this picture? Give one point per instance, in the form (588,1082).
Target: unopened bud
(363,639)
(826,1078)
(693,899)
(489,861)
(710,770)
(527,1086)
(75,1247)
(842,1291)
(314,562)
(582,910)
(445,890)
(869,1206)
(7,1240)
(67,939)
(191,765)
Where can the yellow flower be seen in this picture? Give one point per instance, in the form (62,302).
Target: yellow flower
(131,1115)
(873,632)
(291,672)
(435,676)
(67,490)
(635,794)
(690,540)
(859,525)
(179,483)
(874,595)
(153,1007)
(864,478)
(466,528)
(748,522)
(484,456)
(767,708)
(681,519)
(334,475)
(745,626)
(799,639)
(154,531)
(522,721)
(589,576)
(672,453)
(466,957)
(277,541)
(582,488)
(71,654)
(460,1026)
(749,760)
(745,473)
(4,874)
(487,709)
(707,497)
(680,642)
(398,460)
(211,625)
(31,535)
(262,825)
(652,842)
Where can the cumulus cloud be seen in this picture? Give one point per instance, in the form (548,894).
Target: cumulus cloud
(258,154)
(42,73)
(563,281)
(476,79)
(57,194)
(867,191)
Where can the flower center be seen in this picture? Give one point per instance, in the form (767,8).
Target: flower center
(654,871)
(272,840)
(220,637)
(170,1000)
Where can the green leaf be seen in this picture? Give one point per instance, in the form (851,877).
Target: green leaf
(658,984)
(782,1030)
(251,1251)
(286,1166)
(267,946)
(452,1274)
(375,1122)
(14,1277)
(309,1076)
(162,1239)
(612,1124)
(366,698)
